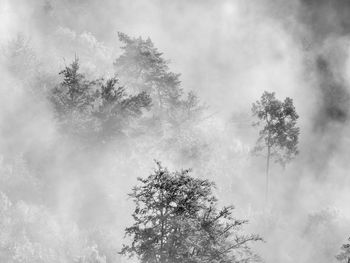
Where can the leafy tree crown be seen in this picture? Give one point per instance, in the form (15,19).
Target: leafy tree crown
(279,132)
(176,219)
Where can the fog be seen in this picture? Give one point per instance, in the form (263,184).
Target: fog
(229,53)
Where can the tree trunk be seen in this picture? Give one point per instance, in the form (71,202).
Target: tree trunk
(268,160)
(162,232)
(267,173)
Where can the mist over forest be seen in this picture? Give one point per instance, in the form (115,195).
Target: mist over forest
(108,106)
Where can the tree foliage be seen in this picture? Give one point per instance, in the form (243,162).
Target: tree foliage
(142,68)
(96,107)
(176,219)
(105,109)
(279,134)
(75,92)
(344,255)
(117,109)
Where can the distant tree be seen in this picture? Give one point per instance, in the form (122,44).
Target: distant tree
(185,111)
(117,109)
(96,109)
(74,100)
(75,92)
(279,134)
(20,59)
(176,219)
(142,68)
(344,255)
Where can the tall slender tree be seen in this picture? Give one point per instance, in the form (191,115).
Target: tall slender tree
(279,134)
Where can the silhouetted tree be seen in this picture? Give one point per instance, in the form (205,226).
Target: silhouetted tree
(279,134)
(176,219)
(98,108)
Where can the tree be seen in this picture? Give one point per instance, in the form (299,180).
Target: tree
(117,109)
(279,134)
(95,108)
(73,100)
(142,67)
(176,219)
(75,92)
(20,59)
(344,255)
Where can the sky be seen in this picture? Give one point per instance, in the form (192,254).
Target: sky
(229,53)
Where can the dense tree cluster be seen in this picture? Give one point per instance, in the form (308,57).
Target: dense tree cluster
(99,107)
(135,113)
(144,92)
(140,109)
